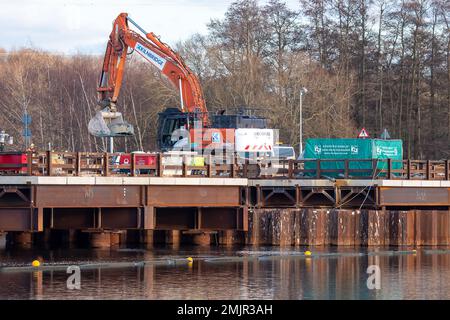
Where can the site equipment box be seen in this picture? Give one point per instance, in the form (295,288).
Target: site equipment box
(357,149)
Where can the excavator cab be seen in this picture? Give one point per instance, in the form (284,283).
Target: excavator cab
(169,121)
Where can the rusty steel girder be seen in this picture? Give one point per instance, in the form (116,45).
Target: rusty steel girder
(193,196)
(86,196)
(21,219)
(200,218)
(413,196)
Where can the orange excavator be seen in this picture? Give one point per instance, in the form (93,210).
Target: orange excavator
(190,122)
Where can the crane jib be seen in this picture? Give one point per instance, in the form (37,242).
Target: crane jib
(154,58)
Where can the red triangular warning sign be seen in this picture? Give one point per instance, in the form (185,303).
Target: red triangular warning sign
(363,134)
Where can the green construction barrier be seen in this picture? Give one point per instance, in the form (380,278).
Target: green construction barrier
(359,149)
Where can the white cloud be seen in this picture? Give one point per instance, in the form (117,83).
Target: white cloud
(84,25)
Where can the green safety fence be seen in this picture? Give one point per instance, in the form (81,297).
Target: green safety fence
(358,149)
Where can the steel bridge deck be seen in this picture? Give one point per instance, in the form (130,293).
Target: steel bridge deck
(33,203)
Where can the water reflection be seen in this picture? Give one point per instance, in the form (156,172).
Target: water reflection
(424,275)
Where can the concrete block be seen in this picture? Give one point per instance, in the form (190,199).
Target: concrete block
(411,183)
(52,180)
(291,183)
(187,181)
(314,183)
(234,181)
(428,183)
(18,180)
(108,180)
(269,183)
(356,183)
(211,181)
(390,183)
(136,181)
(162,181)
(81,180)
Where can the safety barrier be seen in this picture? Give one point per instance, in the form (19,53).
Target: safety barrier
(51,163)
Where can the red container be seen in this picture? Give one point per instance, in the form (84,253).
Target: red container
(13,162)
(139,159)
(145,159)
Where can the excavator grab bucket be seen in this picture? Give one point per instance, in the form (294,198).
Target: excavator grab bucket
(106,123)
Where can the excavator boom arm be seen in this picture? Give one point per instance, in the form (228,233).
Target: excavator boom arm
(159,54)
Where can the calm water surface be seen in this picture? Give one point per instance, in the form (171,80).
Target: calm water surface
(226,273)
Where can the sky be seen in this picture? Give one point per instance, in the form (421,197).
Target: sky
(83,26)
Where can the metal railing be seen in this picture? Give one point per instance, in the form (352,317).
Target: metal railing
(361,169)
(109,164)
(169,165)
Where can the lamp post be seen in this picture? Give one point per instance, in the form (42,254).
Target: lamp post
(303,91)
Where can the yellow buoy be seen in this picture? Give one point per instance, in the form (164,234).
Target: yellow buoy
(307,253)
(190,260)
(36,263)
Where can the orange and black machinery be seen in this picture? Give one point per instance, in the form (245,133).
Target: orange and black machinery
(191,117)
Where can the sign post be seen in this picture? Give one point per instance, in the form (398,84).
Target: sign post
(26,120)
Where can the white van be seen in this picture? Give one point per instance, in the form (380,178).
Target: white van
(284,152)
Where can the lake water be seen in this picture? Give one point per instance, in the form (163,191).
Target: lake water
(226,273)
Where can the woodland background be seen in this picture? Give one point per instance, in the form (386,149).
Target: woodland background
(366,63)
